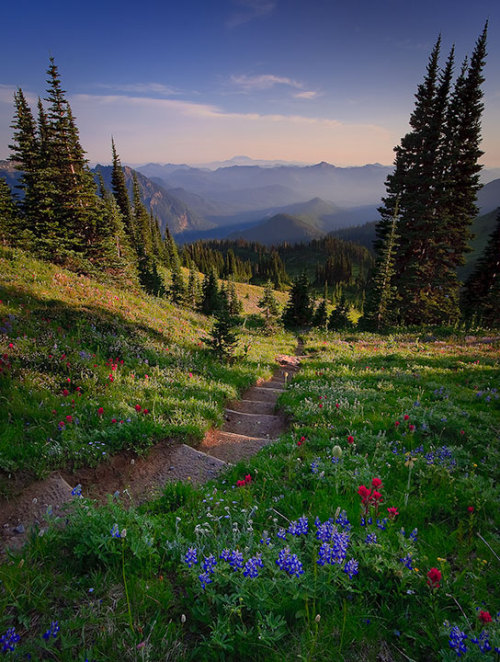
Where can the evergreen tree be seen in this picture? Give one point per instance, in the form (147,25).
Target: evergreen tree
(270,308)
(339,319)
(235,306)
(177,291)
(149,276)
(320,318)
(193,290)
(299,309)
(11,227)
(210,299)
(434,163)
(481,296)
(222,339)
(119,188)
(380,308)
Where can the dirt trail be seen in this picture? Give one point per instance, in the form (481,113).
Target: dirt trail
(250,424)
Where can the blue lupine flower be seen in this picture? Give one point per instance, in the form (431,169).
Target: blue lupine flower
(77,490)
(225,555)
(115,531)
(382,524)
(343,521)
(209,564)
(351,568)
(281,533)
(265,541)
(299,528)
(52,631)
(407,561)
(289,562)
(334,552)
(366,522)
(457,639)
(9,640)
(413,535)
(236,560)
(371,538)
(325,531)
(314,466)
(252,566)
(205,578)
(483,641)
(191,557)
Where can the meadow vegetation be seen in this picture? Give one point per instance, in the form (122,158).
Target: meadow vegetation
(368,531)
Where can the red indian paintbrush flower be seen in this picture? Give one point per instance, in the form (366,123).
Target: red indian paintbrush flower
(434,577)
(485,617)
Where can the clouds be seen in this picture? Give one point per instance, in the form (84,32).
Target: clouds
(180,131)
(259,83)
(249,10)
(141,88)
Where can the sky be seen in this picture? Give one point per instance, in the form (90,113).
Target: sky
(204,80)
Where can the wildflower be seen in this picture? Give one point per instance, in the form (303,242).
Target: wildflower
(52,631)
(209,564)
(9,640)
(337,452)
(191,557)
(100,411)
(412,428)
(351,568)
(376,482)
(413,535)
(265,541)
(406,417)
(470,509)
(457,639)
(371,538)
(65,391)
(281,533)
(397,424)
(69,418)
(138,408)
(364,493)
(115,531)
(145,411)
(248,478)
(343,521)
(485,616)
(289,563)
(240,483)
(393,512)
(483,641)
(236,560)
(252,566)
(407,561)
(350,439)
(225,554)
(77,490)
(205,578)
(434,577)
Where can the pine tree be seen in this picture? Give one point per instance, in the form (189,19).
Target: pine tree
(270,308)
(119,188)
(149,275)
(381,306)
(193,290)
(339,319)
(210,298)
(177,290)
(434,163)
(11,228)
(222,339)
(320,318)
(299,309)
(481,296)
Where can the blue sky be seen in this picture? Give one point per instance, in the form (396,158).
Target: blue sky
(198,81)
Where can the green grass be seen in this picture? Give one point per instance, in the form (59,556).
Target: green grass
(423,418)
(81,362)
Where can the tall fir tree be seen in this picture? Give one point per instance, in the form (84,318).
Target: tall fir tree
(120,191)
(427,181)
(210,296)
(149,275)
(481,295)
(269,307)
(11,226)
(298,311)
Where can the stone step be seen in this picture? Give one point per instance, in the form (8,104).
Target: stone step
(252,406)
(232,447)
(259,394)
(273,384)
(254,425)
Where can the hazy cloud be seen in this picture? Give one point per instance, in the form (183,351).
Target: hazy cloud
(7,95)
(141,88)
(248,10)
(307,94)
(262,82)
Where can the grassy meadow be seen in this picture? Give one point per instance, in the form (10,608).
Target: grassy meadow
(368,531)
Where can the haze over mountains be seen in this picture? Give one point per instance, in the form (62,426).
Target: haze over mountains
(267,201)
